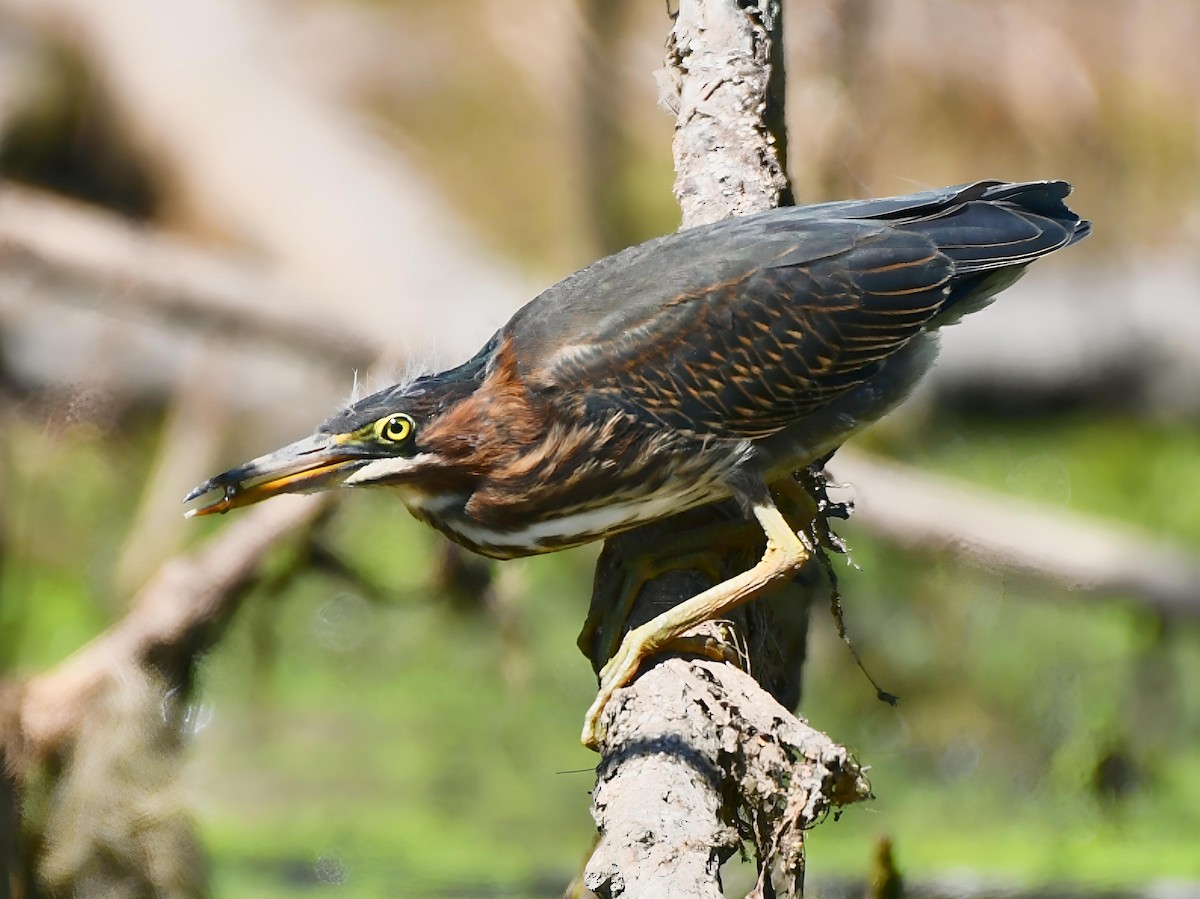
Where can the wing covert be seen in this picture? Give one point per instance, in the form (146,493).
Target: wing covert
(739,328)
(749,355)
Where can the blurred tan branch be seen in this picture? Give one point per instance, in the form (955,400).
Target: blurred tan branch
(72,254)
(52,718)
(176,616)
(251,149)
(926,513)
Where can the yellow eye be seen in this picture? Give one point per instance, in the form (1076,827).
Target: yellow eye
(394,428)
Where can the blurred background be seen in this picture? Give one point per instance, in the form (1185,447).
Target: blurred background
(216,215)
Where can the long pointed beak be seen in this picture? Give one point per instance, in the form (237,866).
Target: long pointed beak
(313,463)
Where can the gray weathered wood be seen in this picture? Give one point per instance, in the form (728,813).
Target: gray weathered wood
(692,746)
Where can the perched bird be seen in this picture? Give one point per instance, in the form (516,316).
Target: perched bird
(703,365)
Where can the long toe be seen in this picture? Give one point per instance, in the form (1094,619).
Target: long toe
(619,672)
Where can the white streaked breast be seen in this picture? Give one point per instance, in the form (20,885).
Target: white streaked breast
(573,528)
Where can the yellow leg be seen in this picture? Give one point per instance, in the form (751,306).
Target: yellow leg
(786,551)
(691,550)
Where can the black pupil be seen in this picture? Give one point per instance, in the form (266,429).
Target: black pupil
(396,428)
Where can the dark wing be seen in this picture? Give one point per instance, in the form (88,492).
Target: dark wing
(746,356)
(740,328)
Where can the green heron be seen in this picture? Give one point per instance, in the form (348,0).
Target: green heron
(703,365)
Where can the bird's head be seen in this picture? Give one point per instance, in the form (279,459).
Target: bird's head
(397,437)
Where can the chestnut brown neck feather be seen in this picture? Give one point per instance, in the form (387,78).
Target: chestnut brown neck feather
(499,415)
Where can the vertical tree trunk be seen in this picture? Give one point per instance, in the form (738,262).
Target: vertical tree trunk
(697,756)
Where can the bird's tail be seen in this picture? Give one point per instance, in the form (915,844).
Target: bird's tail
(993,230)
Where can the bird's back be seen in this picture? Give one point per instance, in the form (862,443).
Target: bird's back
(739,328)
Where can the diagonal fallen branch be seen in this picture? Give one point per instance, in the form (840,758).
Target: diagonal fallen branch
(924,512)
(179,614)
(53,249)
(104,722)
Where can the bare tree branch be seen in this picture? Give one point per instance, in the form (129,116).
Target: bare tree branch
(727,733)
(685,776)
(729,134)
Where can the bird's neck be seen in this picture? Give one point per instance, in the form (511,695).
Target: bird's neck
(493,425)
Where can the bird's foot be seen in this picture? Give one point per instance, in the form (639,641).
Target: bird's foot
(617,672)
(704,549)
(717,645)
(609,616)
(785,553)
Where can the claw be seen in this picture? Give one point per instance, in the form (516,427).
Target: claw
(786,551)
(619,671)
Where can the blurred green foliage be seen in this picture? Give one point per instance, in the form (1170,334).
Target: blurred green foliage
(399,746)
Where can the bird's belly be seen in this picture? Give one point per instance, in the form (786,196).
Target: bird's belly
(516,536)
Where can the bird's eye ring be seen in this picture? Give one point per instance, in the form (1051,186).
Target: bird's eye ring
(394,428)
